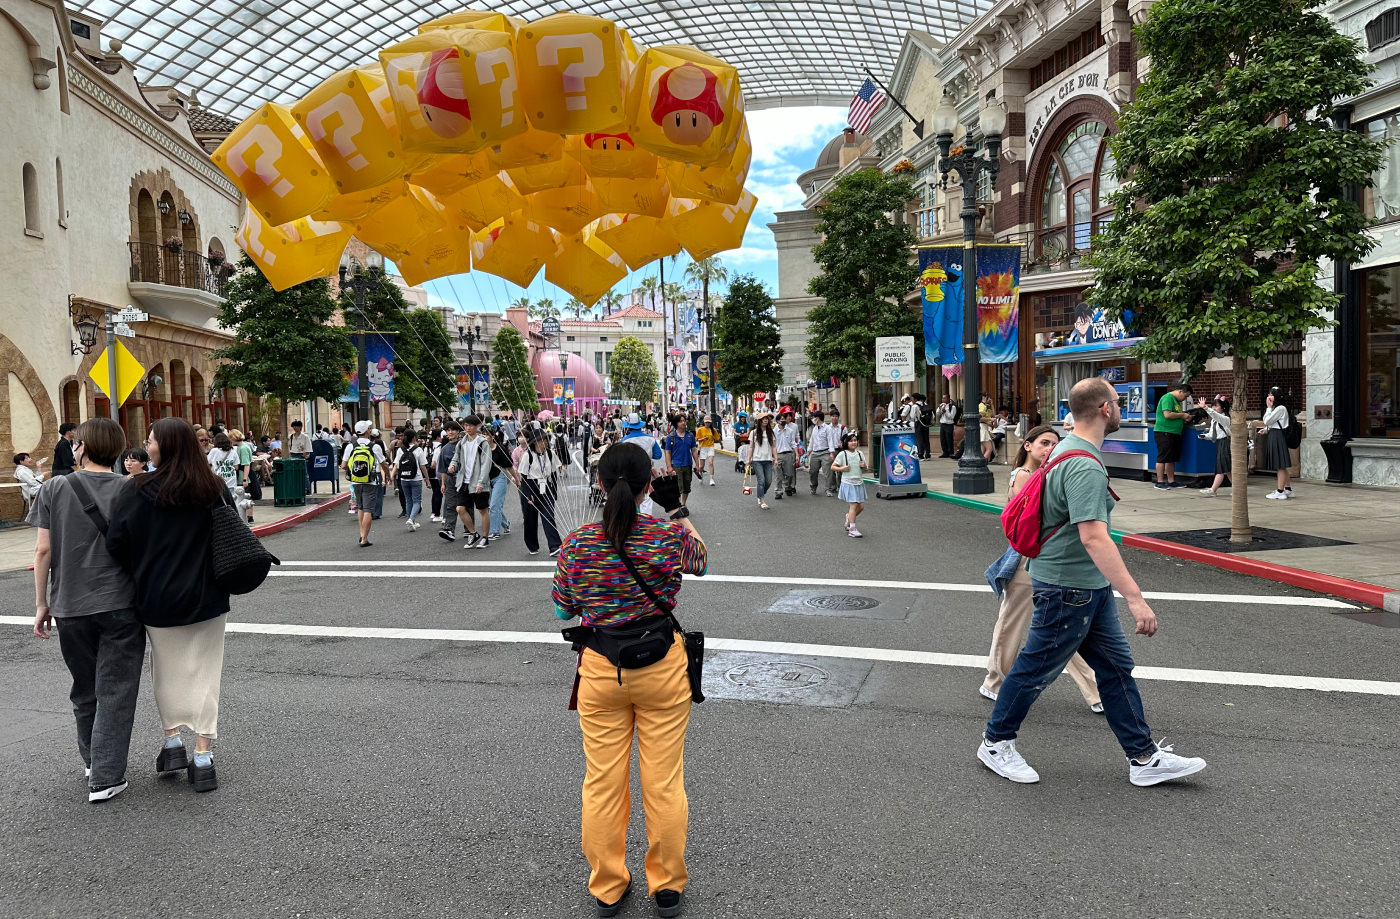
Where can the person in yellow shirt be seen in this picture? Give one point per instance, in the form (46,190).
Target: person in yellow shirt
(705,440)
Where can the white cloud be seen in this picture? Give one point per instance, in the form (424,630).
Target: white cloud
(779,133)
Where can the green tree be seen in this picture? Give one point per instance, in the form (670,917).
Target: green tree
(422,350)
(1236,192)
(512,380)
(545,309)
(867,270)
(746,335)
(284,344)
(610,303)
(523,303)
(575,308)
(634,372)
(649,286)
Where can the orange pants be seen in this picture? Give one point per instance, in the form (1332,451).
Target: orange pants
(655,702)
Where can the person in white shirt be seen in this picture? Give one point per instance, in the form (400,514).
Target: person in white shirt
(410,469)
(947,426)
(539,468)
(763,445)
(366,493)
(787,455)
(470,472)
(29,475)
(821,445)
(1274,427)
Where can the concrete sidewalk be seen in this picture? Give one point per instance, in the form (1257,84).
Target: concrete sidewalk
(1366,517)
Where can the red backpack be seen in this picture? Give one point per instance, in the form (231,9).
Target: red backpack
(1020,519)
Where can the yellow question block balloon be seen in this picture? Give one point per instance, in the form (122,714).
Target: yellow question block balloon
(473,19)
(349,132)
(643,196)
(485,202)
(443,252)
(532,148)
(613,156)
(573,73)
(270,159)
(448,174)
(360,203)
(514,248)
(639,240)
(558,174)
(684,104)
(398,226)
(454,91)
(295,252)
(723,183)
(706,228)
(568,209)
(585,267)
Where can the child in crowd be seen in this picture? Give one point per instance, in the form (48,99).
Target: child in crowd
(850,462)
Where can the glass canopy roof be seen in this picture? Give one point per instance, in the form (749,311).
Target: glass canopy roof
(236,54)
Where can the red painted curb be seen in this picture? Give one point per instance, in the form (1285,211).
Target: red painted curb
(1371,594)
(286,523)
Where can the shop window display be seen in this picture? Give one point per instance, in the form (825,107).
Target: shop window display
(1381,201)
(1380,352)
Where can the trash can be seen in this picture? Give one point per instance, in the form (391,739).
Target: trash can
(289,482)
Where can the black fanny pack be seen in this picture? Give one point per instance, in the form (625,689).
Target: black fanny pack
(630,646)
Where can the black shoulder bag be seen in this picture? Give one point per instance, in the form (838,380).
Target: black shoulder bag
(240,561)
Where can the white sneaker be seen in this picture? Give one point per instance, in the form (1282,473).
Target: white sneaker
(106,794)
(1003,759)
(712,481)
(1208,492)
(1096,708)
(987,693)
(1163,767)
(435,519)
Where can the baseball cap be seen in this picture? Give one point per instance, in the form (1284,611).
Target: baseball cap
(361,427)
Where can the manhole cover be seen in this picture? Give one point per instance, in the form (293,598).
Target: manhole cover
(776,676)
(842,602)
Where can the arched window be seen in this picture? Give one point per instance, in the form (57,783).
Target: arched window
(1074,197)
(31,199)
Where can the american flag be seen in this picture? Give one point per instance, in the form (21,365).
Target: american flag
(866,103)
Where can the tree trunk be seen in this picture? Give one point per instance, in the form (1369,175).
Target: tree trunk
(1240,531)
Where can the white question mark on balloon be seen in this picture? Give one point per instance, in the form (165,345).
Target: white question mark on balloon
(352,120)
(251,243)
(576,72)
(401,74)
(269,151)
(486,63)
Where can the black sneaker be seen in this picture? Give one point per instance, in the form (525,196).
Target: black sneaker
(106,792)
(448,535)
(668,903)
(554,553)
(469,541)
(172,759)
(203,778)
(612,909)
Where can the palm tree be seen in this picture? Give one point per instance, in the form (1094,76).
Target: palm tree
(610,302)
(576,308)
(649,287)
(704,271)
(524,304)
(546,309)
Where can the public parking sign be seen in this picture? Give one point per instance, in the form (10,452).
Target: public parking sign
(894,359)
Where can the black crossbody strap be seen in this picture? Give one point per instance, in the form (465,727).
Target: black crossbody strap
(666,611)
(89,505)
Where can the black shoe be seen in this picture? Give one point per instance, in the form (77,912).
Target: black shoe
(172,759)
(612,909)
(203,778)
(792,492)
(778,496)
(448,535)
(668,903)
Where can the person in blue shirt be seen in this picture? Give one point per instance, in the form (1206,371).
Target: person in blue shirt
(680,450)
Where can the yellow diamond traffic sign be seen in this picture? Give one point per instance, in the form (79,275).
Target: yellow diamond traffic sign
(129,373)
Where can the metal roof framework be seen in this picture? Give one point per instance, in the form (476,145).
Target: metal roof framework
(236,54)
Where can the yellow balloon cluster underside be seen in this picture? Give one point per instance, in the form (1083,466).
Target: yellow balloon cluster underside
(491,144)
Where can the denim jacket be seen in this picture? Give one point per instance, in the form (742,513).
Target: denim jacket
(1003,570)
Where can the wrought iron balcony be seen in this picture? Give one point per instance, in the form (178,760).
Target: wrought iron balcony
(152,263)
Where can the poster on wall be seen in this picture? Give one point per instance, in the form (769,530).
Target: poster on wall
(998,303)
(379,355)
(901,458)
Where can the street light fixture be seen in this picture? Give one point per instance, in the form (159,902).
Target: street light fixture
(972,476)
(358,281)
(709,314)
(564,372)
(470,336)
(149,385)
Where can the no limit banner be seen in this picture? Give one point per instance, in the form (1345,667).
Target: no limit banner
(998,303)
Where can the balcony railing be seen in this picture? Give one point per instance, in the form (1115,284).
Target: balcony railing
(926,221)
(1045,251)
(152,263)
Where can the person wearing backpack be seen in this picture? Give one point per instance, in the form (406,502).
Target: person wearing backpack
(922,414)
(362,463)
(410,468)
(1009,580)
(1281,431)
(1075,567)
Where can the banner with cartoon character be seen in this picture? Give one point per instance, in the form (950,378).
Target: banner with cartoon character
(472,381)
(901,458)
(998,303)
(379,355)
(700,373)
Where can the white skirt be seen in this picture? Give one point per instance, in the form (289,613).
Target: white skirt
(187,664)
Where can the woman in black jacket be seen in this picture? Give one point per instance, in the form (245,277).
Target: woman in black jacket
(160,532)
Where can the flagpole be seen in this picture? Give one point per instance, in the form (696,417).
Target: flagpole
(918,124)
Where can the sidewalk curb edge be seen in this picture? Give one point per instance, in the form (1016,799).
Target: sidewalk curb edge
(286,523)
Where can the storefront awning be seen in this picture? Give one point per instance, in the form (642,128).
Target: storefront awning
(1094,351)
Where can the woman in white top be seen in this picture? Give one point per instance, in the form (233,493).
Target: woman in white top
(1276,454)
(763,446)
(539,490)
(223,459)
(1218,432)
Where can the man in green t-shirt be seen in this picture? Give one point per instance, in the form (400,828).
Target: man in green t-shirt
(1072,581)
(1171,421)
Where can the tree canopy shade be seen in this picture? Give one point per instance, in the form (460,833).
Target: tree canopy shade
(512,381)
(285,346)
(1237,188)
(422,351)
(746,336)
(867,269)
(634,371)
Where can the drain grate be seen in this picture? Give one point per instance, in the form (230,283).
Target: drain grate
(788,680)
(841,602)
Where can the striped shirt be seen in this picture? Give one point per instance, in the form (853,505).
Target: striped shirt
(592,582)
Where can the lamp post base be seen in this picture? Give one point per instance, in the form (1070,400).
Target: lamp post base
(973,477)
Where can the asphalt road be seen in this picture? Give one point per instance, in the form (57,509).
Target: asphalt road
(388,777)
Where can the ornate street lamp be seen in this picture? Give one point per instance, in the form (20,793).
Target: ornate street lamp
(358,281)
(470,336)
(970,162)
(709,315)
(149,385)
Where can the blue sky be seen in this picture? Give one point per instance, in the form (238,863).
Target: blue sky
(786,143)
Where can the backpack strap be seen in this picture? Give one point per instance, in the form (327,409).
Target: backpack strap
(89,504)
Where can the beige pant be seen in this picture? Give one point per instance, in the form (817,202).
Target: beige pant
(187,665)
(1013,622)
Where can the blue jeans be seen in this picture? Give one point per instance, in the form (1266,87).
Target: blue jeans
(1066,620)
(412,496)
(763,476)
(500,485)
